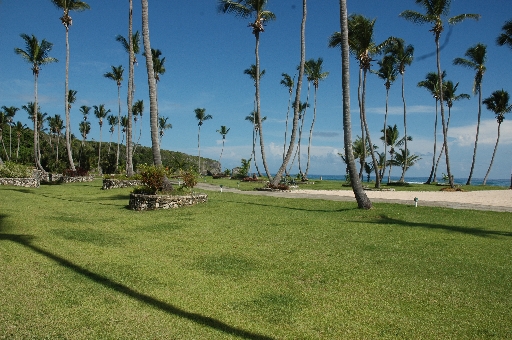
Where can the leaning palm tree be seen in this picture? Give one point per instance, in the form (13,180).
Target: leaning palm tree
(153,105)
(246,9)
(287,82)
(435,12)
(505,38)
(498,103)
(252,118)
(66,6)
(201,117)
(10,112)
(315,73)
(117,76)
(37,54)
(475,59)
(19,128)
(223,131)
(101,113)
(163,126)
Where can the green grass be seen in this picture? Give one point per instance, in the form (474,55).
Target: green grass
(75,263)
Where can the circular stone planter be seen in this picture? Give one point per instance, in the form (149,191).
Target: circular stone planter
(141,202)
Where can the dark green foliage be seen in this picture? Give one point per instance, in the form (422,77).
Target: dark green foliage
(153,177)
(14,170)
(189,180)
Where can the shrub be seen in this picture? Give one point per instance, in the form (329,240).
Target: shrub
(152,177)
(189,179)
(79,172)
(15,170)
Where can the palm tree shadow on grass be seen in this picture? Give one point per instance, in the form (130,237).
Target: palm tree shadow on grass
(26,241)
(290,207)
(464,230)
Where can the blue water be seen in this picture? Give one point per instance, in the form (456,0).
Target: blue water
(420,180)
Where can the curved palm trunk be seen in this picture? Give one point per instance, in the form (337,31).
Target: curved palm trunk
(493,154)
(296,105)
(254,134)
(199,149)
(36,129)
(57,147)
(99,152)
(10,140)
(301,129)
(429,180)
(311,134)
(221,152)
(404,168)
(477,133)
(153,110)
(385,137)
(363,112)
(361,118)
(286,125)
(66,107)
(362,200)
(131,89)
(442,148)
(118,125)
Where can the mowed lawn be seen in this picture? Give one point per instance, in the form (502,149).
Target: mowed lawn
(75,263)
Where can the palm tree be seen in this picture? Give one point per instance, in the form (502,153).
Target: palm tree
(163,126)
(84,128)
(117,76)
(251,72)
(101,113)
(113,121)
(3,121)
(246,9)
(252,118)
(435,12)
(498,103)
(37,54)
(387,72)
(362,199)
(38,117)
(153,105)
(314,72)
(138,110)
(287,82)
(302,118)
(391,138)
(404,159)
(84,110)
(10,112)
(201,117)
(124,127)
(505,38)
(66,6)
(223,131)
(475,59)
(19,128)
(71,98)
(56,126)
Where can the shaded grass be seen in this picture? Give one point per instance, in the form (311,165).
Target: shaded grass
(75,263)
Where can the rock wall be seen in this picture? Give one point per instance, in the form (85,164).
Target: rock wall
(141,202)
(109,183)
(21,182)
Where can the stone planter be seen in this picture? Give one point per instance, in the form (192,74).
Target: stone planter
(111,183)
(21,182)
(141,202)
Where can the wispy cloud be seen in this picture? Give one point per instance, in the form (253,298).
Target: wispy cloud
(399,110)
(465,135)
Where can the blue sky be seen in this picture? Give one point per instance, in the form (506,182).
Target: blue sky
(207,52)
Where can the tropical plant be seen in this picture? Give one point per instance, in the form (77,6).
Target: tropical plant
(10,112)
(498,103)
(475,59)
(252,118)
(435,12)
(101,113)
(19,128)
(302,118)
(3,121)
(113,121)
(117,76)
(505,38)
(287,82)
(257,9)
(163,126)
(223,131)
(404,159)
(391,138)
(138,110)
(56,126)
(201,116)
(66,6)
(37,54)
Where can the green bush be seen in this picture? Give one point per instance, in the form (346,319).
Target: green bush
(189,179)
(15,170)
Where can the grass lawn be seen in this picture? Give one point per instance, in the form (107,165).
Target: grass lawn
(75,263)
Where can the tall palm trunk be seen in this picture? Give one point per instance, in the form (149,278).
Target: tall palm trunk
(361,118)
(362,200)
(442,148)
(385,135)
(296,105)
(477,133)
(199,149)
(375,164)
(99,150)
(311,134)
(66,106)
(131,89)
(429,180)
(153,110)
(493,154)
(254,137)
(286,125)
(404,168)
(36,129)
(118,125)
(301,129)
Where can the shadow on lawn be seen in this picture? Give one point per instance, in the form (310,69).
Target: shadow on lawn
(464,230)
(25,240)
(252,204)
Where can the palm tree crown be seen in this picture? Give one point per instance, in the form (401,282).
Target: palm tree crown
(36,53)
(475,59)
(505,38)
(70,5)
(201,116)
(116,74)
(498,103)
(249,8)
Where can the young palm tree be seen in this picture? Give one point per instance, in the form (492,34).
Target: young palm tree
(246,9)
(138,110)
(287,82)
(101,113)
(391,138)
(315,73)
(117,76)
(475,59)
(404,159)
(66,6)
(302,118)
(37,54)
(252,118)
(403,55)
(223,131)
(201,117)
(113,121)
(71,98)
(435,12)
(498,103)
(10,112)
(56,126)
(84,128)
(163,126)
(153,105)
(19,128)
(505,38)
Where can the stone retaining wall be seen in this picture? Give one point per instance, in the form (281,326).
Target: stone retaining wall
(21,182)
(77,179)
(141,202)
(110,183)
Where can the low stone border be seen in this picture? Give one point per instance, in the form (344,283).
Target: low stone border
(141,202)
(111,183)
(21,182)
(77,179)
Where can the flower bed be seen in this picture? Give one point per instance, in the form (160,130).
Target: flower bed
(141,202)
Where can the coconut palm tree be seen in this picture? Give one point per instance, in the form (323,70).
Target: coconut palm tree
(113,121)
(287,82)
(56,126)
(101,113)
(36,54)
(124,127)
(403,55)
(256,9)
(138,110)
(404,159)
(71,98)
(19,128)
(3,121)
(163,126)
(498,103)
(39,118)
(505,38)
(10,112)
(84,110)
(117,76)
(435,12)
(158,68)
(475,59)
(255,130)
(313,69)
(223,131)
(201,116)
(84,128)
(66,6)
(302,118)
(153,105)
(391,138)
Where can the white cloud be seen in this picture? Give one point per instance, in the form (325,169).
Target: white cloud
(399,110)
(465,135)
